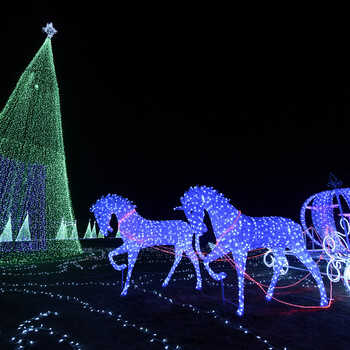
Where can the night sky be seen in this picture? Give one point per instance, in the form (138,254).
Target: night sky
(155,100)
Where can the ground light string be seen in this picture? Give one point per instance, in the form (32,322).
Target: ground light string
(19,339)
(213,313)
(87,305)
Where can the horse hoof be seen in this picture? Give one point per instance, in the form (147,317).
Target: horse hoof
(240,312)
(124,292)
(222,275)
(199,287)
(268,297)
(165,284)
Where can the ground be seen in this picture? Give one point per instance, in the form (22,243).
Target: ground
(76,304)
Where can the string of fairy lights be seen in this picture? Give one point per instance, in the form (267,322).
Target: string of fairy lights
(142,283)
(34,326)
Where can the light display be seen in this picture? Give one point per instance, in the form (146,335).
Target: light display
(88,232)
(94,231)
(24,232)
(326,211)
(62,231)
(68,291)
(6,235)
(322,209)
(138,233)
(74,234)
(49,30)
(237,234)
(100,235)
(33,177)
(270,261)
(91,232)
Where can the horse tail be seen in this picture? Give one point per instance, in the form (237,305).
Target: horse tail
(198,247)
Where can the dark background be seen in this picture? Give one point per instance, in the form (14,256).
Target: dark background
(254,102)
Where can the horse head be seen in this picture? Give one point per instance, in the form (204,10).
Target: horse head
(106,206)
(193,204)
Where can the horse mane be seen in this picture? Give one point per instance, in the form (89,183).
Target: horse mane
(194,192)
(118,200)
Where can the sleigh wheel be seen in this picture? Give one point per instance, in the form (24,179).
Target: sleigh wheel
(333,270)
(269,259)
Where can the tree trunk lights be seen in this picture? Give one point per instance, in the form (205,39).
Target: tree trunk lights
(33,176)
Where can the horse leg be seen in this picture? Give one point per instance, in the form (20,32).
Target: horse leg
(240,260)
(120,250)
(132,256)
(277,268)
(302,254)
(216,253)
(178,257)
(192,255)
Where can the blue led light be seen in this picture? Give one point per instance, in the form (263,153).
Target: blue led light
(238,234)
(138,232)
(322,212)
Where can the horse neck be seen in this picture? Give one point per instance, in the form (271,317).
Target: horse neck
(220,210)
(122,212)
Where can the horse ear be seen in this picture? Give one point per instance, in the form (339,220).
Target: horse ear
(179,208)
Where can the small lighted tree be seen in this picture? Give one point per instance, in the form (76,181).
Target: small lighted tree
(93,231)
(88,232)
(24,232)
(6,235)
(74,234)
(62,231)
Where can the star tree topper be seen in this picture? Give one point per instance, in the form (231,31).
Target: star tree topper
(49,30)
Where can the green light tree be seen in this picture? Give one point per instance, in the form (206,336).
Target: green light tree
(62,231)
(33,175)
(88,232)
(93,231)
(100,235)
(74,234)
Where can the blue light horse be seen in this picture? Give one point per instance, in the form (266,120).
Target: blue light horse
(138,233)
(238,234)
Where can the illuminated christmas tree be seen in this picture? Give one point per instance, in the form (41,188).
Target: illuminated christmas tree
(24,232)
(74,234)
(33,176)
(6,235)
(62,231)
(93,231)
(88,232)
